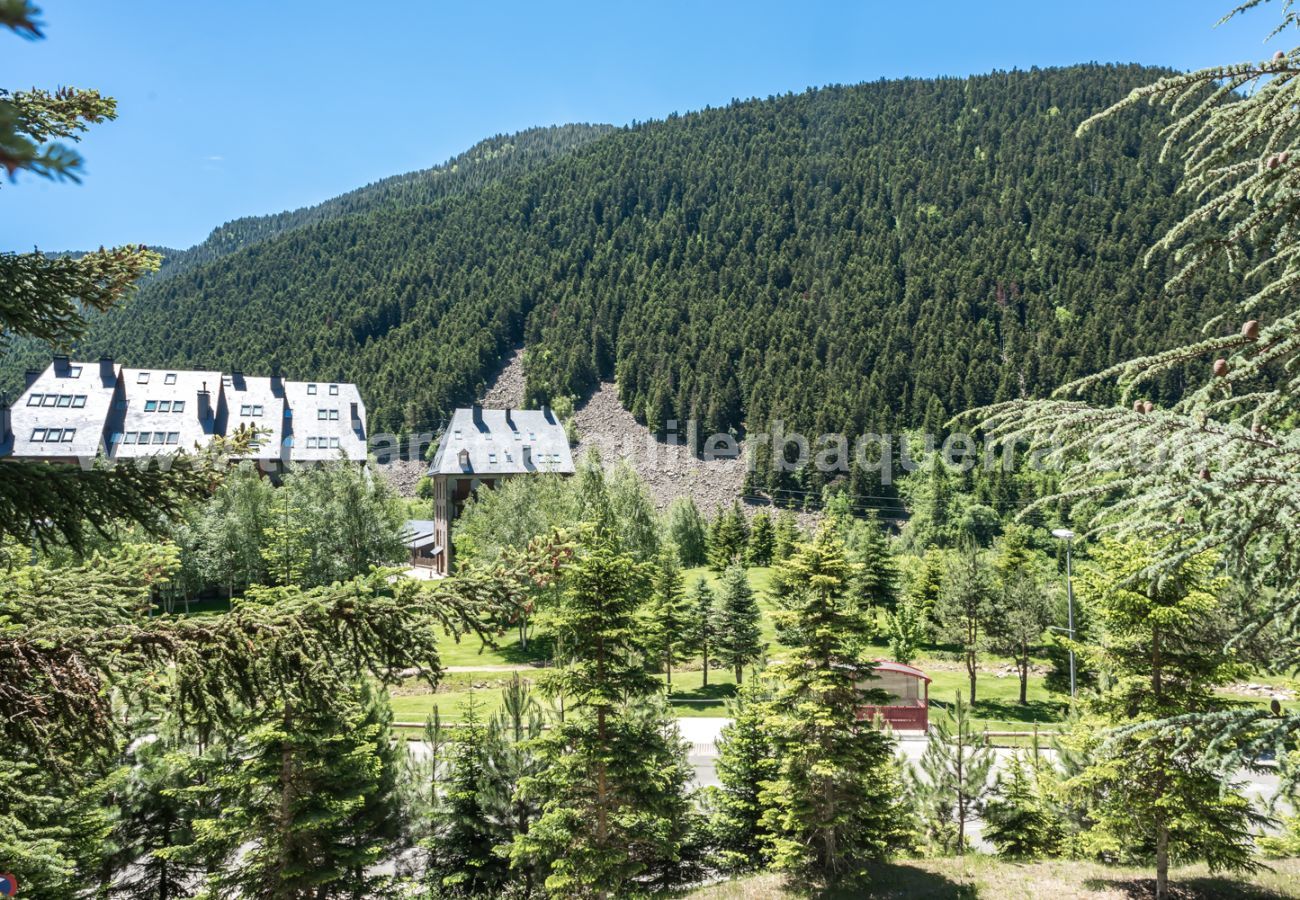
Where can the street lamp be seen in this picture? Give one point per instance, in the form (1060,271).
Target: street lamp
(1067,535)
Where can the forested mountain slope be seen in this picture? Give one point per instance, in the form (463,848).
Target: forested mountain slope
(845,258)
(487,161)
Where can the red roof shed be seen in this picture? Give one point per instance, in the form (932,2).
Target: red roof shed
(908,708)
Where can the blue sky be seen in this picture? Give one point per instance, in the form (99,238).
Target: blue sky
(239,108)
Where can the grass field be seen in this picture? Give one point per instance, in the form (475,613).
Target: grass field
(978,876)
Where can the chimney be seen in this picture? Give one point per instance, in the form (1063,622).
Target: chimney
(277,382)
(32,375)
(204,403)
(356,416)
(546,413)
(476,412)
(528,454)
(6,420)
(106,373)
(62,365)
(510,421)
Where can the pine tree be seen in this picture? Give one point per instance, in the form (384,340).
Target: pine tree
(875,584)
(727,538)
(786,536)
(703,632)
(668,615)
(313,791)
(510,760)
(739,637)
(762,540)
(1164,648)
(832,808)
(462,855)
(613,773)
(953,779)
(285,549)
(1020,819)
(746,760)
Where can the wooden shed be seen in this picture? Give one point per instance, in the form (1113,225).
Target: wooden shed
(908,708)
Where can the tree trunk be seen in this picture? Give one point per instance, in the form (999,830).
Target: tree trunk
(1162,858)
(1023,665)
(970,671)
(668,667)
(739,672)
(705,682)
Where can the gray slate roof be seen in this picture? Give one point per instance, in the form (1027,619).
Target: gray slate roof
(494,441)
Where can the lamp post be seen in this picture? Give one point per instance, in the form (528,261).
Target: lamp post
(1067,535)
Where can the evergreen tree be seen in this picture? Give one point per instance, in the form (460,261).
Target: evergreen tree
(762,540)
(510,760)
(702,635)
(953,779)
(833,806)
(1153,797)
(285,546)
(613,773)
(875,584)
(926,586)
(746,760)
(462,857)
(727,538)
(967,609)
(786,536)
(313,791)
(739,637)
(1020,819)
(934,525)
(668,615)
(687,532)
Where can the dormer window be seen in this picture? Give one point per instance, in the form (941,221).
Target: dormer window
(463,456)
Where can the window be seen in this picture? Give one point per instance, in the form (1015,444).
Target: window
(246,409)
(116,438)
(178,406)
(311,390)
(322,414)
(53,435)
(159,437)
(74,372)
(334,415)
(257,409)
(49,400)
(128,438)
(79,401)
(334,442)
(34,400)
(150,405)
(169,378)
(164,406)
(142,378)
(173,437)
(334,390)
(68,434)
(65,400)
(311,443)
(492,458)
(38,435)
